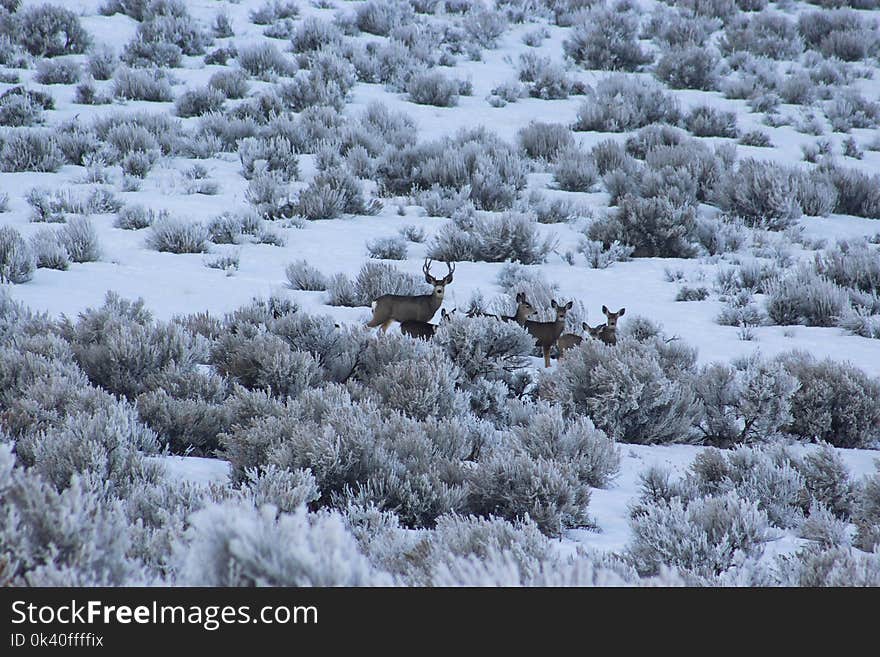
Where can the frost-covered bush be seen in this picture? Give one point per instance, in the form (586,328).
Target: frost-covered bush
(857,193)
(850,110)
(829,566)
(273,10)
(172,24)
(49,250)
(58,71)
(142,84)
(544,140)
(403,387)
(688,67)
(543,78)
(706,121)
(747,401)
(196,102)
(101,63)
(606,39)
(654,227)
(764,34)
(387,248)
(231,83)
(631,391)
(803,296)
(49,31)
(493,238)
(264,59)
(619,103)
(484,346)
(835,402)
(851,264)
(80,239)
(575,170)
(816,193)
(373,280)
(702,537)
(332,193)
(302,276)
(30,150)
(841,33)
(762,194)
(381,18)
(275,154)
(19,110)
(174,235)
(433,88)
(315,34)
(235,544)
(866,513)
(17,262)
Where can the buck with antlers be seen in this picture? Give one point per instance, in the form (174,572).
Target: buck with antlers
(424,330)
(547,333)
(406,308)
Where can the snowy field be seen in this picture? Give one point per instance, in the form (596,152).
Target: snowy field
(713,167)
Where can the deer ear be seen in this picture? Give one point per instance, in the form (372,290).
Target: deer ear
(622,311)
(569,305)
(553,302)
(585,327)
(604,310)
(520,297)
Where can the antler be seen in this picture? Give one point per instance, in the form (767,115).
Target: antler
(426,269)
(451,267)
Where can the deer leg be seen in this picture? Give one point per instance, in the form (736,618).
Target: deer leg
(546,356)
(385,325)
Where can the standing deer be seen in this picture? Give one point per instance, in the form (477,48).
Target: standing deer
(547,333)
(572,340)
(406,308)
(524,310)
(424,330)
(608,333)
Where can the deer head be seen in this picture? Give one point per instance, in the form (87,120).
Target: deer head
(612,317)
(446,316)
(593,332)
(439,284)
(561,310)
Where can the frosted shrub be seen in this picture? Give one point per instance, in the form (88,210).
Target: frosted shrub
(315,34)
(689,67)
(49,251)
(866,513)
(101,63)
(750,401)
(600,257)
(507,236)
(484,346)
(857,193)
(702,538)
(403,387)
(547,434)
(17,262)
(332,193)
(575,171)
(80,240)
(231,83)
(619,103)
(49,31)
(30,150)
(19,110)
(840,33)
(139,53)
(762,194)
(174,235)
(381,17)
(544,140)
(764,34)
(834,566)
(850,110)
(816,193)
(375,279)
(196,102)
(607,40)
(142,84)
(513,486)
(175,27)
(272,153)
(851,264)
(805,297)
(134,217)
(387,248)
(263,60)
(544,78)
(827,480)
(706,121)
(239,545)
(432,88)
(273,10)
(653,227)
(58,71)
(302,276)
(835,402)
(648,405)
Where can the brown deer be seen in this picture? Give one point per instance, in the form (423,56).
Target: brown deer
(524,310)
(608,332)
(405,308)
(547,333)
(594,332)
(572,340)
(424,330)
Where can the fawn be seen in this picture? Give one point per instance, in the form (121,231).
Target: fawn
(608,332)
(424,330)
(547,333)
(419,308)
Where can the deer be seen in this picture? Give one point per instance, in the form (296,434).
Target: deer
(411,308)
(608,332)
(424,330)
(594,332)
(547,333)
(572,340)
(524,310)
